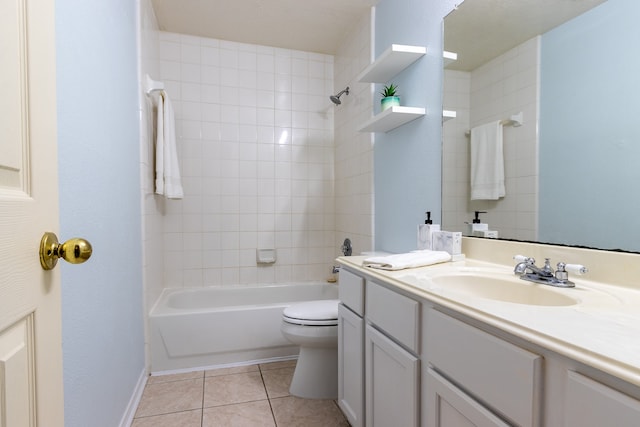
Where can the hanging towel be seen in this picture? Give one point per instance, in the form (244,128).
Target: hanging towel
(487,162)
(168,181)
(409,260)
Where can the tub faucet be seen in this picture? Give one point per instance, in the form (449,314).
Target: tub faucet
(335,269)
(527,270)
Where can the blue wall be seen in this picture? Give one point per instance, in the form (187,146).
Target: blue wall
(589,133)
(407,160)
(102,322)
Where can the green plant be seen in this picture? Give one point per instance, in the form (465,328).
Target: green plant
(389,91)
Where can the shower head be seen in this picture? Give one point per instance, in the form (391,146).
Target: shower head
(336,98)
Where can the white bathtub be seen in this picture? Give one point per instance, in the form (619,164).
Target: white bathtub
(191,328)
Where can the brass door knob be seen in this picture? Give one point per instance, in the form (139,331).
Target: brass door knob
(75,251)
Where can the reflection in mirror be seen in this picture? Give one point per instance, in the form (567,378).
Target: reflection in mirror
(571,171)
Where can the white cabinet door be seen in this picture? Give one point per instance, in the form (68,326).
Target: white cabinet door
(591,404)
(351,365)
(448,406)
(391,382)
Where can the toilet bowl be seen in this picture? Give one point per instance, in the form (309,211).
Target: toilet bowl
(313,325)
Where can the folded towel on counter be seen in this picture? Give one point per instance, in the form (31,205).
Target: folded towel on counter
(487,162)
(408,260)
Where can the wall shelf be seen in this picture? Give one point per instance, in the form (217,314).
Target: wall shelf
(393,60)
(448,115)
(449,58)
(391,118)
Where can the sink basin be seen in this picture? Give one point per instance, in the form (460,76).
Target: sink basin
(506,289)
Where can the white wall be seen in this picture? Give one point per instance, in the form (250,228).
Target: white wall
(353,149)
(506,85)
(255,140)
(152,205)
(99,194)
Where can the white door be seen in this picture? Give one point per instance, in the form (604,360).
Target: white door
(30,321)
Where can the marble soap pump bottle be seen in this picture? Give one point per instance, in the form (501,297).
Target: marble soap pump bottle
(425,231)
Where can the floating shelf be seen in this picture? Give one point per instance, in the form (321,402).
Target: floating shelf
(449,58)
(393,60)
(391,118)
(448,115)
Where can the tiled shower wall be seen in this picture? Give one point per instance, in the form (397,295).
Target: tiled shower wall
(228,207)
(255,140)
(498,89)
(354,150)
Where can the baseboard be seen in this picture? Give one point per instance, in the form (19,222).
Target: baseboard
(127,417)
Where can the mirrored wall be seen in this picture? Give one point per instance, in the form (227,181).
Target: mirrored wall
(572,170)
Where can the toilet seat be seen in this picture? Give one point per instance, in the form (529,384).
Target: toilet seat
(312,313)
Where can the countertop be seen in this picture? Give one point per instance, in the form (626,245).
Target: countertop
(602,330)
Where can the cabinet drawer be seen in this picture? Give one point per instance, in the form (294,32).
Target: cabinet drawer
(395,314)
(589,403)
(500,374)
(351,291)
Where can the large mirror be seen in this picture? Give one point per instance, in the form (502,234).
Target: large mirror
(571,69)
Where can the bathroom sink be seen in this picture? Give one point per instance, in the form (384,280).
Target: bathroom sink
(500,288)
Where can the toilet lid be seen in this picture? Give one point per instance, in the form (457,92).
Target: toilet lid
(321,313)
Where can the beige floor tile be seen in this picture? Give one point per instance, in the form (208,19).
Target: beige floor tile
(293,411)
(234,370)
(278,365)
(181,419)
(250,414)
(236,388)
(277,381)
(175,396)
(156,379)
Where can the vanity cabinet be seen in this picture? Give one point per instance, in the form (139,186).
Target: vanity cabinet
(589,403)
(448,405)
(392,382)
(351,347)
(378,363)
(406,360)
(478,376)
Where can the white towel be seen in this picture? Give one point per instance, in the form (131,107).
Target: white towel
(168,181)
(487,162)
(408,260)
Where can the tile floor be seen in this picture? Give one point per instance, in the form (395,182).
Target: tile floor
(255,395)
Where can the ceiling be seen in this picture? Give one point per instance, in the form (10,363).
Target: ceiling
(480,30)
(309,25)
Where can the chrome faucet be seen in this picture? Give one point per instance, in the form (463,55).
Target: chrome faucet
(527,270)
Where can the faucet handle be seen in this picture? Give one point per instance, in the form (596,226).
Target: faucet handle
(522,258)
(578,269)
(562,272)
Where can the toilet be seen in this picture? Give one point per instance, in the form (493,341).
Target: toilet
(313,325)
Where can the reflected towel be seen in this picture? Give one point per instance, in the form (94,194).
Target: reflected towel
(408,260)
(487,162)
(168,181)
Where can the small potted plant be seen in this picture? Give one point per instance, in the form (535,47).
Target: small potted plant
(389,97)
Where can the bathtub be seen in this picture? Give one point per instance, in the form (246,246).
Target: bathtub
(221,325)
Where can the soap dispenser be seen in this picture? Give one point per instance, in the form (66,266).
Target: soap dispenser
(425,231)
(477,227)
